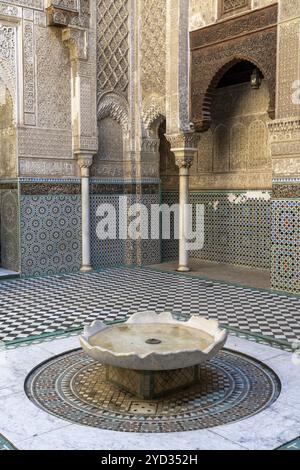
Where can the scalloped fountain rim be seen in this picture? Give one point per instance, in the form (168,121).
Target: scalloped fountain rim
(156,360)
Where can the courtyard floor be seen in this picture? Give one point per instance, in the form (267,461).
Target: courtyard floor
(225,272)
(263,325)
(37,306)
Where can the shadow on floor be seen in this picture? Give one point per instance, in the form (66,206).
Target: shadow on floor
(257,278)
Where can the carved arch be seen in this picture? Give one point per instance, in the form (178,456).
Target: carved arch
(209,93)
(214,49)
(154,112)
(114,106)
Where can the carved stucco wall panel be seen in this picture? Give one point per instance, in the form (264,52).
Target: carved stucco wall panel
(8,160)
(234,152)
(29,78)
(153,46)
(238,147)
(259,155)
(8,57)
(53,80)
(205,152)
(288,9)
(109,159)
(288,68)
(263,3)
(221,146)
(8,109)
(10,10)
(202,13)
(206,12)
(34,4)
(177,67)
(46,153)
(285,147)
(231,7)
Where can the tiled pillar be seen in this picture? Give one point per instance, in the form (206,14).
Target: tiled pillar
(85,161)
(285,149)
(285,260)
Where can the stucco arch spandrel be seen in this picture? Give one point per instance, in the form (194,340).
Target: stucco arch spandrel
(153,109)
(116,107)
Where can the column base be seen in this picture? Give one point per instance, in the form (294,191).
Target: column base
(86,269)
(183,269)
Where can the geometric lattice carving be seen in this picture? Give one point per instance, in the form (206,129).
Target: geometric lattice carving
(153,46)
(112,45)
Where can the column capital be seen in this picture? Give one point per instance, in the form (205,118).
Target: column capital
(187,141)
(184,161)
(85,161)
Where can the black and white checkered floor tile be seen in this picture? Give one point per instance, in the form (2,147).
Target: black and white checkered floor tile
(30,307)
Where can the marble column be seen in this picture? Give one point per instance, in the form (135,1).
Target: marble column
(184,147)
(184,163)
(85,161)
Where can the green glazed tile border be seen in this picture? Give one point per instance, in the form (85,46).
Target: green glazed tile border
(5,444)
(293,445)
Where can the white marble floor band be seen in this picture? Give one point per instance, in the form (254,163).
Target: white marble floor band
(28,427)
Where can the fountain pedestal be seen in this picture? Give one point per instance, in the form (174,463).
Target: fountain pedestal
(147,384)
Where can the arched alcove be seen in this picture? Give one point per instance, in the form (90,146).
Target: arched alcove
(236,147)
(232,175)
(109,160)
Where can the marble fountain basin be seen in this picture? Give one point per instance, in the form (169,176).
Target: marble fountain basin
(154,342)
(153,355)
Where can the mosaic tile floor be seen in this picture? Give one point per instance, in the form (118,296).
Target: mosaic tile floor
(232,387)
(36,306)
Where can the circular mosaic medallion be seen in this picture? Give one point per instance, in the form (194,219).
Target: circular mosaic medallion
(232,387)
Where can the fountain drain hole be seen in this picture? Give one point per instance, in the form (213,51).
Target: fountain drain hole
(153,341)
